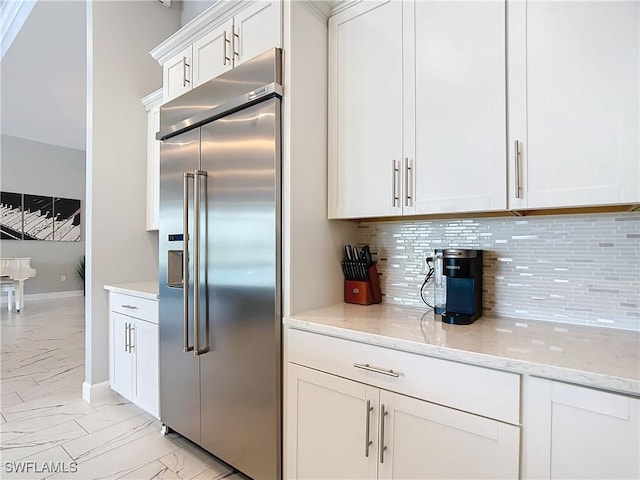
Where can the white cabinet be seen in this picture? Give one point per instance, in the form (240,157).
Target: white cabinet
(152,104)
(365,111)
(458,137)
(221,38)
(370,412)
(330,420)
(573,103)
(578,432)
(417,108)
(133,349)
(211,54)
(176,74)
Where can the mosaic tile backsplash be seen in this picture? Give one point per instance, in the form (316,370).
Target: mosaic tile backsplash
(582,269)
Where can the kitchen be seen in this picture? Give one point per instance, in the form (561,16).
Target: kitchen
(399,245)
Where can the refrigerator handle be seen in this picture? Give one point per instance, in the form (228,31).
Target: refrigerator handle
(185,260)
(196,260)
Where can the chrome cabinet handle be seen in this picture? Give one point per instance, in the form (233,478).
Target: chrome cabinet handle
(185,260)
(394,172)
(185,80)
(226,42)
(407,173)
(130,307)
(196,260)
(367,441)
(236,54)
(517,158)
(383,447)
(131,345)
(381,371)
(126,337)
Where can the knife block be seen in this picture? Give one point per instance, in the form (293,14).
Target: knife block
(363,293)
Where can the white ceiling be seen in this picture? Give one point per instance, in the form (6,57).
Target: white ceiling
(43,76)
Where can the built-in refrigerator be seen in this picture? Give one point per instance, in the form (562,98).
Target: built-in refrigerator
(219,270)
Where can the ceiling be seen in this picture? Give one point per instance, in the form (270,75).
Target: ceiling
(43,76)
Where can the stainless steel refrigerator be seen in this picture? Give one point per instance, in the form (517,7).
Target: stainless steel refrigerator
(220,255)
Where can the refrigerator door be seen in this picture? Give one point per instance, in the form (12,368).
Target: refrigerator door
(179,370)
(240,373)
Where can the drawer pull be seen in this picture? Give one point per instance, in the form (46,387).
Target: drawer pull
(130,307)
(382,371)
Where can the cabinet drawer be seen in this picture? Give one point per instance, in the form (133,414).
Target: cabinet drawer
(478,390)
(137,307)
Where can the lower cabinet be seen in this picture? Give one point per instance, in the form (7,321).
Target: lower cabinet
(578,432)
(133,350)
(339,428)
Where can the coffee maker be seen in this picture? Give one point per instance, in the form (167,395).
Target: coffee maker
(463,272)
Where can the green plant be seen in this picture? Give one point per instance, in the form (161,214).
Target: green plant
(80,270)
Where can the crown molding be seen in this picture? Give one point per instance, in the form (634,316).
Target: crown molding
(152,100)
(341,5)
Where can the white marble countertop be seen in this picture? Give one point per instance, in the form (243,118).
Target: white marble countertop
(148,289)
(596,357)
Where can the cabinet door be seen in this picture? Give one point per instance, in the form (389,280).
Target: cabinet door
(145,347)
(176,75)
(460,107)
(573,102)
(121,359)
(256,28)
(425,440)
(365,110)
(327,425)
(212,54)
(576,432)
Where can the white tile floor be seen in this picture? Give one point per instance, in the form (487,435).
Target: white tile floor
(48,431)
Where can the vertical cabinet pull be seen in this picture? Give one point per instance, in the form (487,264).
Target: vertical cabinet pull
(236,41)
(517,159)
(185,80)
(131,345)
(226,42)
(383,447)
(367,441)
(126,337)
(185,260)
(395,171)
(407,175)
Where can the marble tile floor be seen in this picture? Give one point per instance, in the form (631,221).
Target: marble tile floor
(48,431)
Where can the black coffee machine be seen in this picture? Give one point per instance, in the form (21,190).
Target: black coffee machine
(463,269)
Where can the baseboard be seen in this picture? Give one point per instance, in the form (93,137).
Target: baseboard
(31,297)
(96,392)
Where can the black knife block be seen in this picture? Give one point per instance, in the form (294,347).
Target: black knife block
(364,292)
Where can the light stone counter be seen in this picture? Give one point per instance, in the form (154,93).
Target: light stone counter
(596,357)
(147,289)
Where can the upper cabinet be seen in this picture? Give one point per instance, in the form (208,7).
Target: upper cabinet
(365,110)
(458,137)
(573,103)
(417,108)
(152,104)
(451,107)
(223,37)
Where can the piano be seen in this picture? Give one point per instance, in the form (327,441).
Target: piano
(13,273)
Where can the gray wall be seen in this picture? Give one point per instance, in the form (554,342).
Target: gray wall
(192,8)
(43,169)
(120,72)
